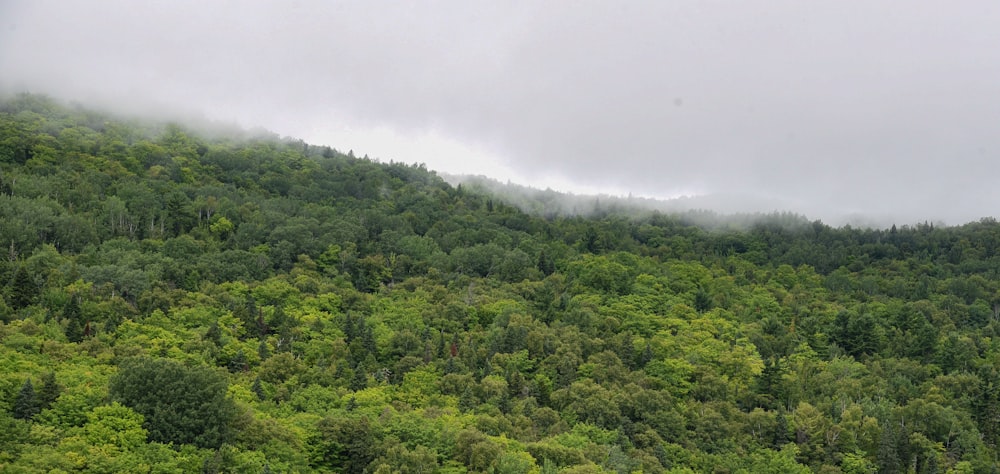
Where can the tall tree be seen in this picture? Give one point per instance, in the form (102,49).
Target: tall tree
(25,402)
(23,291)
(185,405)
(49,391)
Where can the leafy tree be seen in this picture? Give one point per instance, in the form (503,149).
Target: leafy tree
(13,433)
(186,405)
(348,444)
(625,340)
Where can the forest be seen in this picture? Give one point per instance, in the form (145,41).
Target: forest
(177,300)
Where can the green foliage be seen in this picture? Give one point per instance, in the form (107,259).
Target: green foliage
(246,303)
(348,444)
(180,404)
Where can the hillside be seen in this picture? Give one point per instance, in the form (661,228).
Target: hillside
(181,301)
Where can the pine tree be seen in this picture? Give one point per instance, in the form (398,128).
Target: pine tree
(888,452)
(545,264)
(50,390)
(360,379)
(781,437)
(238,363)
(23,290)
(74,331)
(214,334)
(647,355)
(702,301)
(258,389)
(349,328)
(6,313)
(280,321)
(26,402)
(441,345)
(263,351)
(451,367)
(72,310)
(368,339)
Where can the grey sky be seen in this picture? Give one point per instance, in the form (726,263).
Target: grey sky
(887,109)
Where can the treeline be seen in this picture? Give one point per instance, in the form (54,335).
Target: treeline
(178,302)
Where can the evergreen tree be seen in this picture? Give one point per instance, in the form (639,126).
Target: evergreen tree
(6,312)
(360,379)
(214,334)
(781,431)
(545,264)
(367,337)
(647,355)
(72,310)
(238,363)
(25,402)
(49,391)
(888,451)
(74,330)
(258,389)
(441,345)
(702,301)
(451,367)
(23,290)
(263,351)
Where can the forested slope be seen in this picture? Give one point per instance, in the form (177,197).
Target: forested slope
(180,302)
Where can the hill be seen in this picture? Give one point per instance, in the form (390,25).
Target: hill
(178,301)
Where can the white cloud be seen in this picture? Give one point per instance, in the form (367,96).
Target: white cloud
(830,107)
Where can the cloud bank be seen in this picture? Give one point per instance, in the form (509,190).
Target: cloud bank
(829,108)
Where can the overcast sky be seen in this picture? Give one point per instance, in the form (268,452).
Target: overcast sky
(824,107)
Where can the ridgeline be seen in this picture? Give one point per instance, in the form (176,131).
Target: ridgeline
(185,301)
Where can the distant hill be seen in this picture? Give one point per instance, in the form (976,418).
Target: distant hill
(178,298)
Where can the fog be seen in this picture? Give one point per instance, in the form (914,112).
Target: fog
(838,110)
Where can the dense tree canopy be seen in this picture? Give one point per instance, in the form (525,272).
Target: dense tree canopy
(183,301)
(183,405)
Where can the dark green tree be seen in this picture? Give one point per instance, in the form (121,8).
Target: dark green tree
(23,291)
(263,351)
(258,389)
(179,213)
(360,379)
(184,405)
(49,391)
(74,330)
(72,309)
(214,334)
(347,445)
(702,300)
(238,363)
(76,325)
(545,264)
(25,402)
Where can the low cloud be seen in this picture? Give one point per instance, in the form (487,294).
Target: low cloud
(831,109)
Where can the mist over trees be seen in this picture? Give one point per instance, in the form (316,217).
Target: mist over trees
(172,301)
(710,211)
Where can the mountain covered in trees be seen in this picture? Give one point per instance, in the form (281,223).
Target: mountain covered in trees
(177,301)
